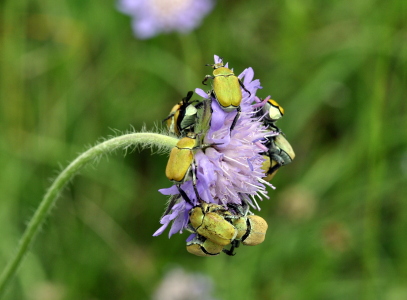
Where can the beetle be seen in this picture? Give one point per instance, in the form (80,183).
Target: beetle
(181,162)
(272,112)
(181,166)
(201,246)
(251,232)
(269,164)
(280,153)
(226,89)
(182,116)
(181,158)
(209,221)
(251,229)
(255,232)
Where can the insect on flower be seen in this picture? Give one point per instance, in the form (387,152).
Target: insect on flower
(280,152)
(201,246)
(226,89)
(182,117)
(270,112)
(209,220)
(215,186)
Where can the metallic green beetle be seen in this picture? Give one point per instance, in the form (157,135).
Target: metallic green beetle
(226,89)
(209,221)
(201,246)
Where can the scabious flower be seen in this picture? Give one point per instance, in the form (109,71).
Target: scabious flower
(229,171)
(150,17)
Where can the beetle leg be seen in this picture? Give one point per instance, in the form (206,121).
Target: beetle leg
(190,228)
(274,168)
(237,211)
(241,210)
(235,119)
(194,181)
(184,195)
(188,96)
(206,78)
(243,87)
(235,244)
(273,127)
(229,252)
(205,146)
(171,203)
(199,105)
(245,207)
(170,116)
(278,159)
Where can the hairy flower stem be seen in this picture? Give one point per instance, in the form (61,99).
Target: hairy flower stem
(121,142)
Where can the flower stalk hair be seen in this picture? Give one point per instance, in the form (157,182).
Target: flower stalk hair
(143,139)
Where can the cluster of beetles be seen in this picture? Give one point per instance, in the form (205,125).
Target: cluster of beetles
(217,228)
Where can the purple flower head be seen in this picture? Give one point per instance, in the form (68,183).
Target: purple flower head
(150,17)
(228,164)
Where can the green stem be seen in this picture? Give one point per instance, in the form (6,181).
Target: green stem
(120,142)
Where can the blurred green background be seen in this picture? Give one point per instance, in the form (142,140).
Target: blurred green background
(71,71)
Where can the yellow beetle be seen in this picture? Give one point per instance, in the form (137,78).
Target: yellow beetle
(202,246)
(180,165)
(226,89)
(251,229)
(209,221)
(269,168)
(181,158)
(280,151)
(255,232)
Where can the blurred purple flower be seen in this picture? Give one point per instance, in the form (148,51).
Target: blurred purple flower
(181,285)
(150,17)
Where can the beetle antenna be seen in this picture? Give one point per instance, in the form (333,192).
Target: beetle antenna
(235,119)
(235,244)
(170,116)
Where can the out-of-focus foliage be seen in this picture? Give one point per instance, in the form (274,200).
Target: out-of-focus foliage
(70,71)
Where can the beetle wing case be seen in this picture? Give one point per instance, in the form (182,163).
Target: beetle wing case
(227,91)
